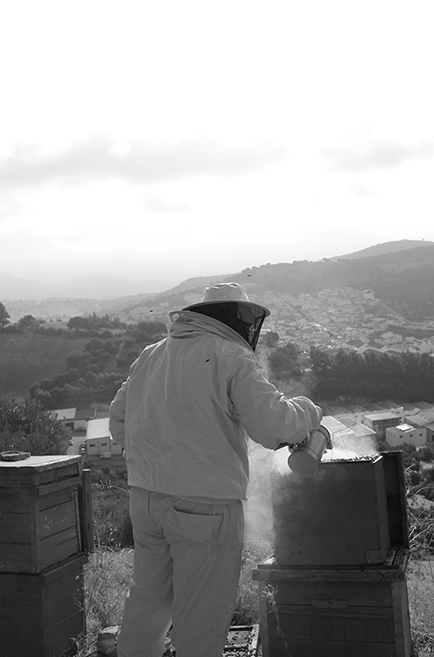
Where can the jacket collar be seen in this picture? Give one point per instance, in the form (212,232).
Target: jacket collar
(184,323)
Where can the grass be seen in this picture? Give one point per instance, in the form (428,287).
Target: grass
(420,581)
(106,580)
(108,573)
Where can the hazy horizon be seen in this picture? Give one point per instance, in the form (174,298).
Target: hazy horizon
(37,269)
(107,285)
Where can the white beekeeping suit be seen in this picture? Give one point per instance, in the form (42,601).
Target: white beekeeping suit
(184,416)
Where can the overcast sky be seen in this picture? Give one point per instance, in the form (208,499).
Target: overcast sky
(168,139)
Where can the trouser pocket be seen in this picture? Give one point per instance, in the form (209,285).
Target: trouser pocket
(193,526)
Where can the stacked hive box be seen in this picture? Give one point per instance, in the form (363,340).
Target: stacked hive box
(45,528)
(336,585)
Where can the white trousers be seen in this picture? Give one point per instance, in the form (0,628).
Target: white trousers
(187,562)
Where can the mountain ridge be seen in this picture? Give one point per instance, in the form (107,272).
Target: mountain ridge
(384,248)
(400,273)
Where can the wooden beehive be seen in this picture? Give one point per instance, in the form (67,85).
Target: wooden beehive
(339,516)
(335,611)
(42,615)
(39,512)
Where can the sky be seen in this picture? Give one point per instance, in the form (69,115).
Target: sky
(165,139)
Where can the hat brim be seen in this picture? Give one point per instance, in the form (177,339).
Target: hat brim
(248,304)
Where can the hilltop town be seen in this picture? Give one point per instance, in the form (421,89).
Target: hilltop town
(380,298)
(329,319)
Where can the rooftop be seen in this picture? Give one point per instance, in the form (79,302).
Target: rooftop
(98,428)
(65,413)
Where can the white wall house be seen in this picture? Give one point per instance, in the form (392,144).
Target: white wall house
(405,433)
(421,422)
(379,422)
(99,441)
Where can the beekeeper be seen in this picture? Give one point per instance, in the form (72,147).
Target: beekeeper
(184,416)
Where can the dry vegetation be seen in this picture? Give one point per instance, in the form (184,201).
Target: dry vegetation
(421,600)
(107,576)
(420,581)
(109,570)
(108,573)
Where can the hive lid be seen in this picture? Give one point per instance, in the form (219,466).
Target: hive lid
(37,470)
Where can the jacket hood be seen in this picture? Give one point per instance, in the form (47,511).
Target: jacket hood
(185,324)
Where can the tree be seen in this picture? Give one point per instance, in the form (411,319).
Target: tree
(271,339)
(26,426)
(79,324)
(284,361)
(27,322)
(4,316)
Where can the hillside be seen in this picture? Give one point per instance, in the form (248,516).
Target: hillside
(27,358)
(385,248)
(16,287)
(402,279)
(400,273)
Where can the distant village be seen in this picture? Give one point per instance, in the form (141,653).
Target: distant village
(342,317)
(330,319)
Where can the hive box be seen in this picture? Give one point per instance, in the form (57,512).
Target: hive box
(339,516)
(335,612)
(39,512)
(42,615)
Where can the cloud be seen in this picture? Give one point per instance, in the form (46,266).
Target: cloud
(361,191)
(375,154)
(139,162)
(158,204)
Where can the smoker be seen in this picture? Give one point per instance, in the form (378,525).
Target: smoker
(336,584)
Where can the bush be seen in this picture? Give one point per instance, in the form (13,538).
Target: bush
(26,426)
(106,580)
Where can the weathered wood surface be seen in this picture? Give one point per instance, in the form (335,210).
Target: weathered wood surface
(342,616)
(39,525)
(86,511)
(38,470)
(396,498)
(391,570)
(336,517)
(312,648)
(40,615)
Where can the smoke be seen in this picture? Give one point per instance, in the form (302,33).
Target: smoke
(346,445)
(258,509)
(273,485)
(280,461)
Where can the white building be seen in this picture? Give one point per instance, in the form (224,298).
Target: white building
(99,441)
(379,422)
(405,433)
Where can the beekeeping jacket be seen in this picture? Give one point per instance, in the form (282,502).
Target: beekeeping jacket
(189,405)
